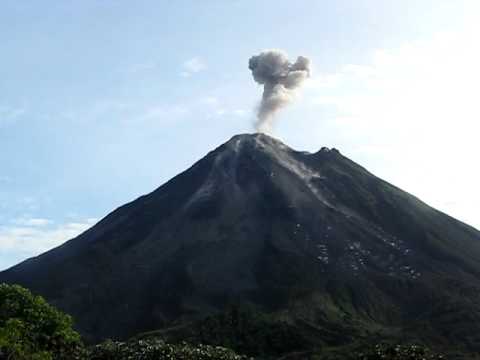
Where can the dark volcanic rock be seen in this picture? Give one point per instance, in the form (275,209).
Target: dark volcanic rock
(314,238)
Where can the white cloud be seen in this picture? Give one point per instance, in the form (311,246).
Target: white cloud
(414,111)
(34,222)
(193,66)
(240,112)
(210,100)
(164,113)
(9,114)
(216,106)
(30,237)
(28,203)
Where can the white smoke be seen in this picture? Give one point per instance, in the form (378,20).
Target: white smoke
(280,79)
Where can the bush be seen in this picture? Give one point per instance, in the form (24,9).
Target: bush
(32,329)
(155,349)
(399,352)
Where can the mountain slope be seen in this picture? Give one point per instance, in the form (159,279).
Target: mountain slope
(311,237)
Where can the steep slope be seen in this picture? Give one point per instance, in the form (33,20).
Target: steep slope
(311,237)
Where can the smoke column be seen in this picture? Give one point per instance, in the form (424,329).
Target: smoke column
(280,79)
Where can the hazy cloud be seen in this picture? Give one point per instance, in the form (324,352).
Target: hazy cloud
(217,107)
(9,114)
(193,66)
(415,106)
(30,237)
(33,222)
(165,112)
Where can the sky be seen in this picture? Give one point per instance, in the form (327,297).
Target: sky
(103,101)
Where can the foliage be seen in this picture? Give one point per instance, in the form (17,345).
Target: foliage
(155,349)
(247,331)
(32,329)
(399,352)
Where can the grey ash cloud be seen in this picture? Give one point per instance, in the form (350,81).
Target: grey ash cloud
(280,79)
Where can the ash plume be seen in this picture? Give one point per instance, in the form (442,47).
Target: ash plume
(280,79)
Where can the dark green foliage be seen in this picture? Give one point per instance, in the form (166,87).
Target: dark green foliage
(399,352)
(250,332)
(154,349)
(245,330)
(32,329)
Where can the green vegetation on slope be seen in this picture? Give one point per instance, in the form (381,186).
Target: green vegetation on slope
(242,328)
(32,329)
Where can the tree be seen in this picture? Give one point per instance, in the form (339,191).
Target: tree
(30,328)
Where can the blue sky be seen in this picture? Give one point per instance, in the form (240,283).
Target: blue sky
(102,101)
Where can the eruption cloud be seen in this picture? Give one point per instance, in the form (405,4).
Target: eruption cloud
(280,79)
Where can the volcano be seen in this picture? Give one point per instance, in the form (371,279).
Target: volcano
(313,238)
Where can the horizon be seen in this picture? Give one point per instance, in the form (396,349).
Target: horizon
(102,102)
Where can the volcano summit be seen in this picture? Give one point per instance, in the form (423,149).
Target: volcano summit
(312,238)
